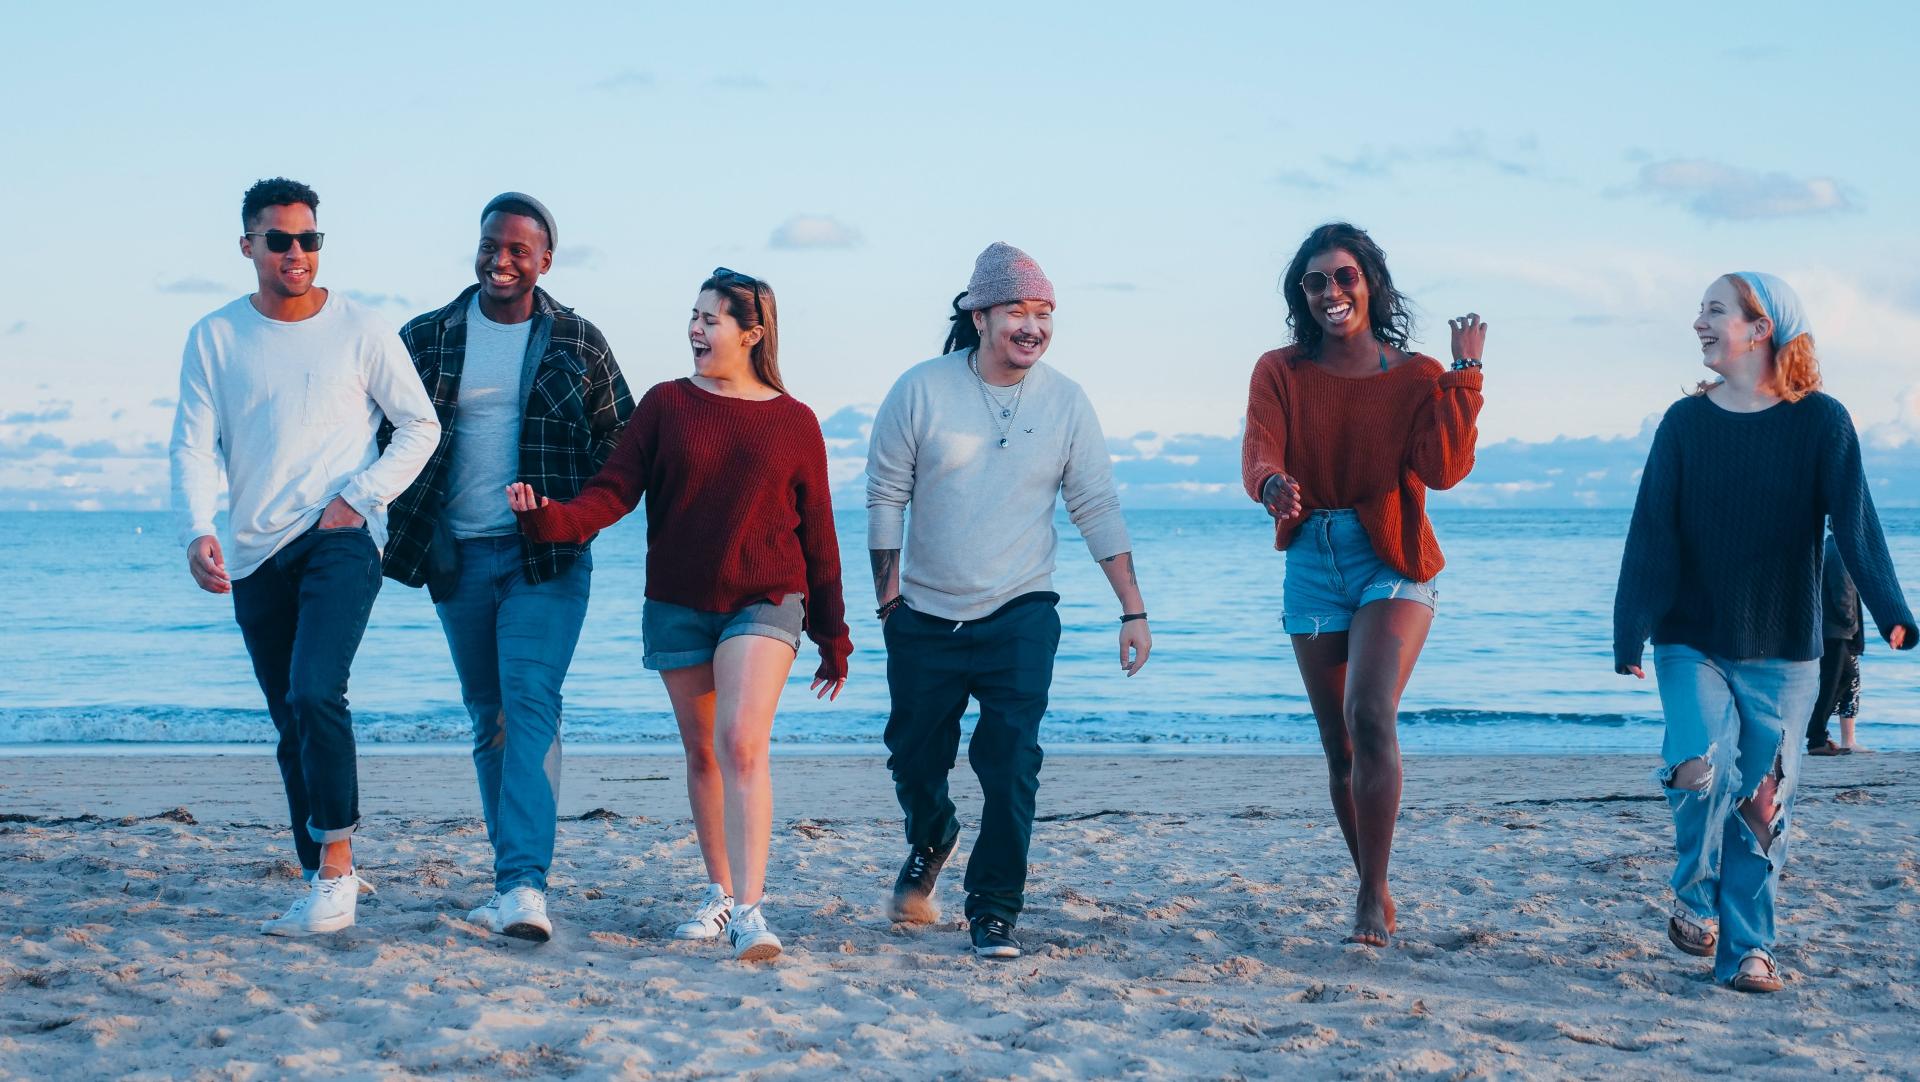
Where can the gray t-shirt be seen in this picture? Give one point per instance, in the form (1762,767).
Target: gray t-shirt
(486,428)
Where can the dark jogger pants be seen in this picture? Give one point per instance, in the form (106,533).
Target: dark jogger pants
(302,614)
(1005,660)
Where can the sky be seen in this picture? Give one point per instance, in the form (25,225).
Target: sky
(1577,176)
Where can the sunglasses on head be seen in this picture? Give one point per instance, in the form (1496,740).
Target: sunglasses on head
(1317,281)
(279,240)
(747,280)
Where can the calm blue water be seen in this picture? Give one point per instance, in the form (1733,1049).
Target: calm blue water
(107,640)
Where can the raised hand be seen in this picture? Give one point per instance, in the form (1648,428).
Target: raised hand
(1281,496)
(1469,337)
(521,497)
(207,566)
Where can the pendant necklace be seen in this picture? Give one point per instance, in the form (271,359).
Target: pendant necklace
(998,409)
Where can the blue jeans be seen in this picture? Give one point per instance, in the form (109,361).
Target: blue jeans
(512,641)
(302,614)
(1744,719)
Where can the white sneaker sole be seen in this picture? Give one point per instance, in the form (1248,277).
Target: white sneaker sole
(762,951)
(695,933)
(297,931)
(997,952)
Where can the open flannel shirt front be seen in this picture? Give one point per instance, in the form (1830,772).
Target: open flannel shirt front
(576,404)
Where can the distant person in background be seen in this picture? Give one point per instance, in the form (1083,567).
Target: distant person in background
(980,446)
(285,390)
(1722,571)
(526,390)
(1346,430)
(742,559)
(1844,632)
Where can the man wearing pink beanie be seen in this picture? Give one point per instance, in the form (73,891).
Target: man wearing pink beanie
(984,442)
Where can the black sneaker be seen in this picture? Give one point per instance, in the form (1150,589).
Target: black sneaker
(993,938)
(913,887)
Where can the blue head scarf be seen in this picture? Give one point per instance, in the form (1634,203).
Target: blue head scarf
(1780,303)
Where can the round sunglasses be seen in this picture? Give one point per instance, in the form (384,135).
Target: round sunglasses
(1317,281)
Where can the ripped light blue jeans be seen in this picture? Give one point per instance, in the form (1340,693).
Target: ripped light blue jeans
(1744,719)
(1332,570)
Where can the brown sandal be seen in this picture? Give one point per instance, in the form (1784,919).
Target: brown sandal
(1691,934)
(1830,748)
(1764,977)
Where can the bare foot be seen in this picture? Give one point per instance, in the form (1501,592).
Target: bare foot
(1374,920)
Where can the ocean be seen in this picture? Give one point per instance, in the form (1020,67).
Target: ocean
(108,645)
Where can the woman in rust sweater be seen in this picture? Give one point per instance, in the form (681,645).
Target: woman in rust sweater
(741,560)
(1346,430)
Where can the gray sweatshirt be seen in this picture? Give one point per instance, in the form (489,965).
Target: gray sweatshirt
(982,529)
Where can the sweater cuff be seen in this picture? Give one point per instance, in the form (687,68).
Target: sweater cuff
(1470,378)
(1627,658)
(544,523)
(833,659)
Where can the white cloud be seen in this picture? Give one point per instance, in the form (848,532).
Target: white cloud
(814,231)
(1715,190)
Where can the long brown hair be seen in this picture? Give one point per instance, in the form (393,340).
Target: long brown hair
(750,302)
(1796,369)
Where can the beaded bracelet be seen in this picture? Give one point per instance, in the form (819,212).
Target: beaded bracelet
(1463,364)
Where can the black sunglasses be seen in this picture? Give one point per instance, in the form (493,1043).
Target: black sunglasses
(750,282)
(1316,281)
(279,241)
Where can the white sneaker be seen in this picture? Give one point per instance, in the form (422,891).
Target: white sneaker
(752,940)
(328,906)
(712,916)
(520,913)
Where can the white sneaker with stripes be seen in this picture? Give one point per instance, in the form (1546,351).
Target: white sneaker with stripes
(716,909)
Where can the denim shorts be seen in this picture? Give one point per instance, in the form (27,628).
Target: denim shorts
(1332,571)
(674,636)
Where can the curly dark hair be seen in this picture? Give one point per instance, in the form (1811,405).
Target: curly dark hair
(275,192)
(1389,313)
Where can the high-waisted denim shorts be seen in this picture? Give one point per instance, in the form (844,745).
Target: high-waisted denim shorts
(675,636)
(1332,571)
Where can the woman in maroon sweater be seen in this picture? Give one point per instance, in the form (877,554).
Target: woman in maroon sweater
(741,559)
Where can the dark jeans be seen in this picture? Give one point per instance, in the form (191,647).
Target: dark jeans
(302,614)
(1005,660)
(512,641)
(1834,675)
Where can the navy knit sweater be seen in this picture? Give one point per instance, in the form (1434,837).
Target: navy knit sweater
(1724,551)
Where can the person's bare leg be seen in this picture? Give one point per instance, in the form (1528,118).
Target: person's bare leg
(1323,669)
(691,692)
(1846,732)
(749,673)
(1382,646)
(1760,809)
(336,858)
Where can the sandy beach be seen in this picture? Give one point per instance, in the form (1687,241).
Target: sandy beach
(1185,921)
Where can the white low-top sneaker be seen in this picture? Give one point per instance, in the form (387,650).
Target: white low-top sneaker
(328,906)
(716,908)
(520,913)
(523,915)
(752,940)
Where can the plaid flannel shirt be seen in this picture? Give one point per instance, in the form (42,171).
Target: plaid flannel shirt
(577,403)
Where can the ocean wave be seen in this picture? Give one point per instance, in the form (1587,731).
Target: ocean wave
(217,725)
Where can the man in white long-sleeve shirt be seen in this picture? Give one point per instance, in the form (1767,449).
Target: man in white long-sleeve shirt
(984,443)
(285,391)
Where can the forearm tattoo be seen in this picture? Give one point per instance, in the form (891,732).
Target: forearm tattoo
(886,564)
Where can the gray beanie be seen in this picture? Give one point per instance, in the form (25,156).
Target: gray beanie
(540,211)
(1004,274)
